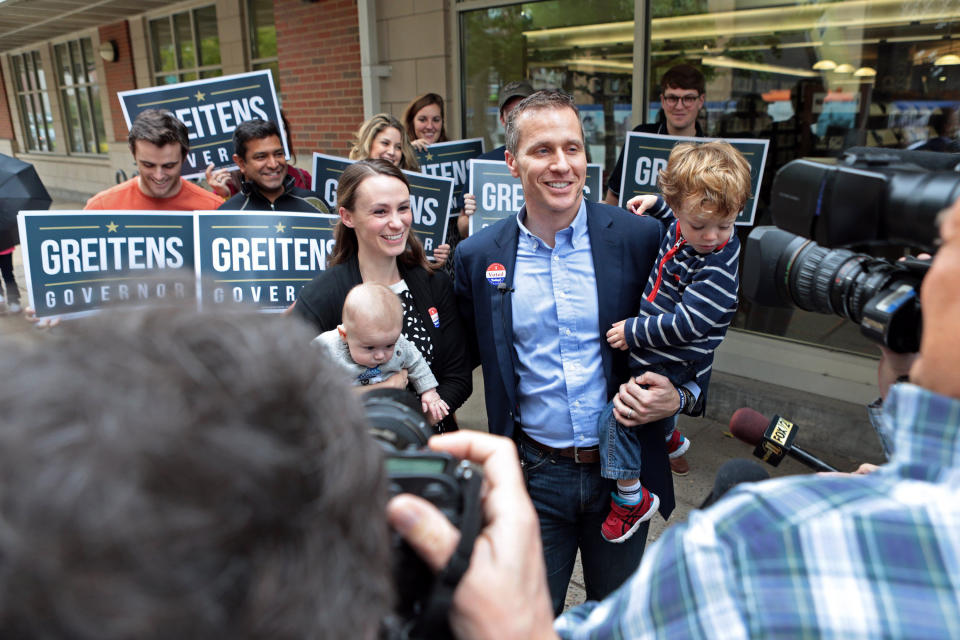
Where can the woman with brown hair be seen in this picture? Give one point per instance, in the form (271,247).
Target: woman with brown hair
(424,120)
(382,137)
(374,244)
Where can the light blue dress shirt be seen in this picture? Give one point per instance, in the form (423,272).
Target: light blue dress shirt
(561,388)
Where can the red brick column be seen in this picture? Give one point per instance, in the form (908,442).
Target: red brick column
(318,45)
(119,74)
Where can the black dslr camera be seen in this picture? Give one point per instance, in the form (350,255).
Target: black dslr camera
(452,485)
(873,197)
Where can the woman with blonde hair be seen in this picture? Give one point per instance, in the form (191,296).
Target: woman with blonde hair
(383,137)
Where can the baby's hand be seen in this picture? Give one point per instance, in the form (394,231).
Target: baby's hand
(640,204)
(616,337)
(434,406)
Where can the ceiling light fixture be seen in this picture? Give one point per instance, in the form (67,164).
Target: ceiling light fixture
(947,60)
(730,63)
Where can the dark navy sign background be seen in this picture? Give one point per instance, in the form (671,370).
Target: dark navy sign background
(77,261)
(592,188)
(646,153)
(449,159)
(211,109)
(430,197)
(262,259)
(499,194)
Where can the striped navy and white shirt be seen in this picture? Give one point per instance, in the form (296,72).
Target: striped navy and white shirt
(688,303)
(855,557)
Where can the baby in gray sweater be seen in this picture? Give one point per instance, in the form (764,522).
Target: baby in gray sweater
(369,347)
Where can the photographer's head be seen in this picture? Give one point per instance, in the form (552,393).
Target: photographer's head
(166,473)
(936,367)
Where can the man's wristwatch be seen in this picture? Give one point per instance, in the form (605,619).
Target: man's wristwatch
(688,401)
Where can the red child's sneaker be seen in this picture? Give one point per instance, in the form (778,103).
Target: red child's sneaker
(677,445)
(624,519)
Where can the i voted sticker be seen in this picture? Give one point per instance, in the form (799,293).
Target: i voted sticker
(496,273)
(434,316)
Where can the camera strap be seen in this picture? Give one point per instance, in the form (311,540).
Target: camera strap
(433,621)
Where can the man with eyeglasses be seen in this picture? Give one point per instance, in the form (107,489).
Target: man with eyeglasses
(681,96)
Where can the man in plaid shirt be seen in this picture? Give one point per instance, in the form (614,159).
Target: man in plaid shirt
(837,556)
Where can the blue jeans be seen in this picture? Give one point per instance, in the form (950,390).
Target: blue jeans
(572,501)
(620,446)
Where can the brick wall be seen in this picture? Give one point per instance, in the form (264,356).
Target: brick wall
(119,74)
(318,44)
(6,121)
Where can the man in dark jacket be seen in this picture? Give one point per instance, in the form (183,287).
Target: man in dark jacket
(681,98)
(536,292)
(258,152)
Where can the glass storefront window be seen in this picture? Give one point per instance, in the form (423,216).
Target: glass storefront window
(585,48)
(79,96)
(816,78)
(36,117)
(207,36)
(263,38)
(185,46)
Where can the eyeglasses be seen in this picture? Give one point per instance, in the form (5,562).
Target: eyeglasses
(688,101)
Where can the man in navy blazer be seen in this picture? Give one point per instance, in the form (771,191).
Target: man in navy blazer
(538,292)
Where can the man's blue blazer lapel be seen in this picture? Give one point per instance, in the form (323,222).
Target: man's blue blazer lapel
(501,310)
(608,263)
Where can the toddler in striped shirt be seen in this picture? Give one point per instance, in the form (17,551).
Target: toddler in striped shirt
(688,303)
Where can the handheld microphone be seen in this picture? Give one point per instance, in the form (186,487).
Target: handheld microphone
(772,439)
(730,474)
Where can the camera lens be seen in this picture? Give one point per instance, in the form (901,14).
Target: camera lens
(395,419)
(835,281)
(782,269)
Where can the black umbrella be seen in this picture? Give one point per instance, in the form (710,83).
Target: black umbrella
(20,189)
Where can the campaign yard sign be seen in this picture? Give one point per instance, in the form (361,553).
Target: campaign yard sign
(211,109)
(645,154)
(430,197)
(449,160)
(499,194)
(78,261)
(259,258)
